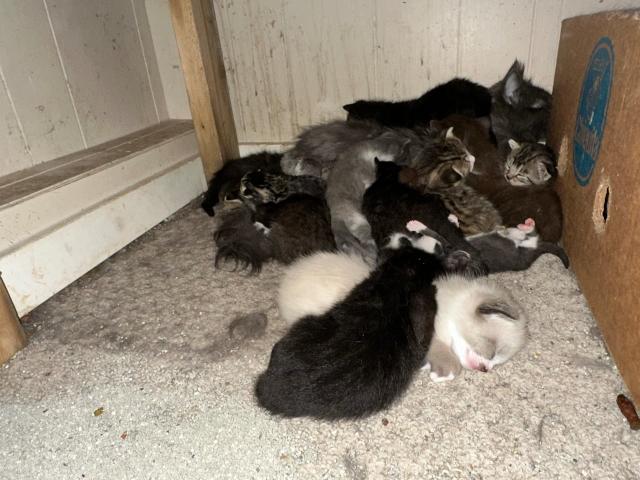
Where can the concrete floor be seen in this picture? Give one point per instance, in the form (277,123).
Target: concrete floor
(145,337)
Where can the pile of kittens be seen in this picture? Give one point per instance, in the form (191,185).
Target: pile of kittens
(389,222)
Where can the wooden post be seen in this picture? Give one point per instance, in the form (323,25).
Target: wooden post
(12,337)
(194,23)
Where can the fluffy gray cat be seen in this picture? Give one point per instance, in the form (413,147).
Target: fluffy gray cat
(345,153)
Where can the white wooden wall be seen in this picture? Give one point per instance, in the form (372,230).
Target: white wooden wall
(291,63)
(73,74)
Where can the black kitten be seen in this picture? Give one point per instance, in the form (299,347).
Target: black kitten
(455,96)
(520,110)
(225,185)
(361,355)
(388,205)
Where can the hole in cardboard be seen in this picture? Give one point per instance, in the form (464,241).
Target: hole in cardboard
(602,207)
(605,206)
(563,156)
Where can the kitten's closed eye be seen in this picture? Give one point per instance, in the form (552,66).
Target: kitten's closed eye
(500,309)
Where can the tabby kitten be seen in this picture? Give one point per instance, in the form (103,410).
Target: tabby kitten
(260,187)
(225,185)
(530,164)
(445,178)
(514,203)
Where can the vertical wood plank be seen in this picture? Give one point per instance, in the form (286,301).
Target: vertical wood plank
(166,52)
(12,337)
(36,83)
(417,46)
(492,35)
(545,35)
(100,49)
(150,59)
(201,56)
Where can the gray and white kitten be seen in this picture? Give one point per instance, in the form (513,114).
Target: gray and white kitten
(529,164)
(519,109)
(514,248)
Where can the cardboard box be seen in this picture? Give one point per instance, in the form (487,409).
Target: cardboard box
(595,127)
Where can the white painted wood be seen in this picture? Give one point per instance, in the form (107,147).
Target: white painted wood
(292,63)
(167,57)
(36,83)
(492,35)
(14,153)
(92,217)
(42,210)
(407,63)
(101,52)
(151,62)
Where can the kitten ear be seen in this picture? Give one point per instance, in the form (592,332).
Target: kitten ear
(450,134)
(513,145)
(376,161)
(497,309)
(543,171)
(512,82)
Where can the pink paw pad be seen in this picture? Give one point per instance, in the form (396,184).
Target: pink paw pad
(528,225)
(415,226)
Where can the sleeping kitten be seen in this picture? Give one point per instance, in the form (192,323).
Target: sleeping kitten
(514,203)
(225,184)
(258,187)
(455,96)
(514,248)
(354,171)
(313,284)
(530,164)
(389,204)
(361,355)
(280,231)
(478,324)
(519,110)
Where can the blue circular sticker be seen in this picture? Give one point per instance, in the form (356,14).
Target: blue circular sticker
(592,110)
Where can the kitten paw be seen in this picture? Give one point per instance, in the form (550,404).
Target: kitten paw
(528,225)
(453,219)
(438,378)
(416,226)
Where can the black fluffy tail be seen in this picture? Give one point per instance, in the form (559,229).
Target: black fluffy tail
(240,243)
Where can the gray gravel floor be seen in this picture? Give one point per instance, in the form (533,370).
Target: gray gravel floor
(145,337)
